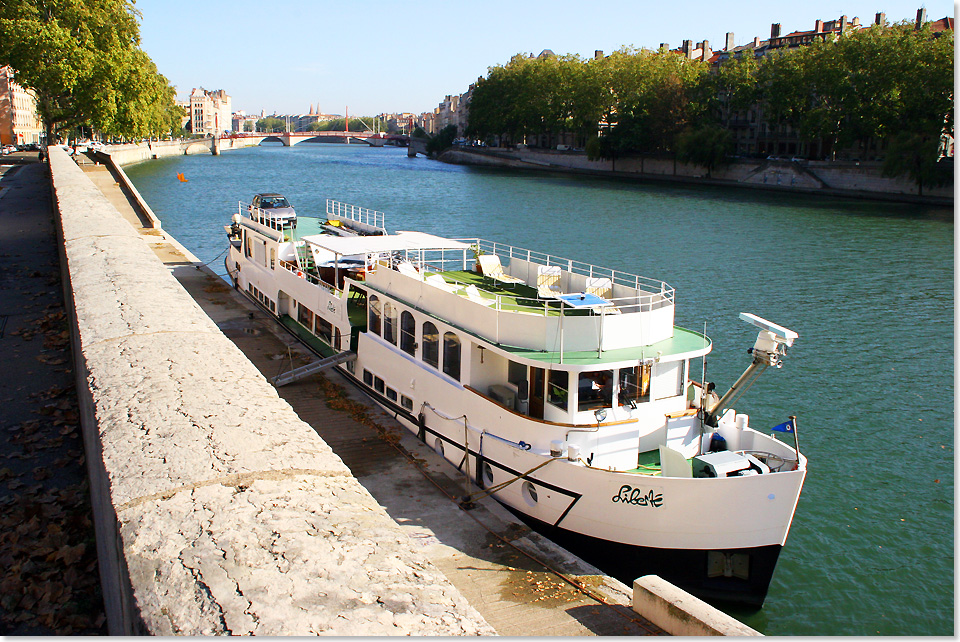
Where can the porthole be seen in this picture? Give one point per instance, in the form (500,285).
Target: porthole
(438,447)
(529,492)
(487,472)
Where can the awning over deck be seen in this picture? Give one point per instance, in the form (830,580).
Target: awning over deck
(401,241)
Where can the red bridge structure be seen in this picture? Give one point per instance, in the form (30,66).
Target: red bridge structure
(293,138)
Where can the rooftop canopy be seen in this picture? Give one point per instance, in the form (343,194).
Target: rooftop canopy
(401,241)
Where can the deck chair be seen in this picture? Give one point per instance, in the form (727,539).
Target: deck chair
(548,281)
(474,295)
(490,266)
(603,288)
(673,463)
(409,269)
(600,286)
(437,281)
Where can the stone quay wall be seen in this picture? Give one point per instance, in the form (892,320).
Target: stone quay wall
(217,510)
(137,152)
(862,180)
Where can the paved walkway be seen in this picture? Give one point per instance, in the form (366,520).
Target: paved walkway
(49,584)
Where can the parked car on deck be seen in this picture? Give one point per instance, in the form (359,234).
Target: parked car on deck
(275,207)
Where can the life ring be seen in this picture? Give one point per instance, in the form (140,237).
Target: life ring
(300,274)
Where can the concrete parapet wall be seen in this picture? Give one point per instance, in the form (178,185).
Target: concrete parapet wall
(217,510)
(679,613)
(834,178)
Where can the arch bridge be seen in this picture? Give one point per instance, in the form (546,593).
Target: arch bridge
(292,138)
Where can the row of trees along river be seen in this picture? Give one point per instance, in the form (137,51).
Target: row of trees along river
(890,83)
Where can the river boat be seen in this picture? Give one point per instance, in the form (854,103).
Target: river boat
(562,389)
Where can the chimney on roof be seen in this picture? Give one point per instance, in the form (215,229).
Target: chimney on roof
(856,21)
(818,26)
(756,42)
(843,23)
(687,48)
(921,17)
(729,42)
(665,46)
(706,51)
(598,54)
(881,19)
(775,30)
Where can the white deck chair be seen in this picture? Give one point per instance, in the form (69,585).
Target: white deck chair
(474,295)
(548,281)
(409,269)
(603,288)
(437,281)
(490,266)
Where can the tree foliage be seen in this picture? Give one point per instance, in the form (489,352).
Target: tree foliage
(891,83)
(82,58)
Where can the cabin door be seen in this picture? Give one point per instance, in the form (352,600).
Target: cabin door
(537,381)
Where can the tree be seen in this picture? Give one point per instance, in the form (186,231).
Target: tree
(82,59)
(707,146)
(271,125)
(442,140)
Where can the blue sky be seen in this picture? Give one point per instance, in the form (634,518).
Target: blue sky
(373,56)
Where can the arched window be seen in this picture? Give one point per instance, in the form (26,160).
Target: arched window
(408,333)
(374,307)
(451,355)
(390,323)
(431,345)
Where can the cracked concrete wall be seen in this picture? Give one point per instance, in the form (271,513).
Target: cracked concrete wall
(217,509)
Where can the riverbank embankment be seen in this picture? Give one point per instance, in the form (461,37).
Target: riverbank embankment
(217,509)
(827,178)
(200,531)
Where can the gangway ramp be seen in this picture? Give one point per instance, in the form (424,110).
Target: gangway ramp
(312,368)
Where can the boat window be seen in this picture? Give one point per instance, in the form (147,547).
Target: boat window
(517,375)
(406,402)
(390,322)
(595,390)
(391,394)
(408,333)
(324,329)
(431,345)
(305,316)
(374,321)
(634,384)
(557,392)
(451,355)
(378,384)
(247,244)
(273,257)
(367,377)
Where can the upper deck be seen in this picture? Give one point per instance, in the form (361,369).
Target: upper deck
(544,307)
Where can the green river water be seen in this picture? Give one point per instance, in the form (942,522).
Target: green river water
(868,286)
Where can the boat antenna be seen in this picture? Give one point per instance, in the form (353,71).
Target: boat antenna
(768,350)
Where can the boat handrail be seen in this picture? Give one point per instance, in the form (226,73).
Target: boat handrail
(542,307)
(362,215)
(640,283)
(259,216)
(307,276)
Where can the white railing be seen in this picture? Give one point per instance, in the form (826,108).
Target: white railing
(257,215)
(362,215)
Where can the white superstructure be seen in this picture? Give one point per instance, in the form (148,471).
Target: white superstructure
(560,387)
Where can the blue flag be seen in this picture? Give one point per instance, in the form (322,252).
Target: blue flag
(786,426)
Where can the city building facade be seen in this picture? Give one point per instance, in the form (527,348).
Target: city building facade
(210,112)
(20,122)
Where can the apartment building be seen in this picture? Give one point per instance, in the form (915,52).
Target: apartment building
(19,119)
(210,112)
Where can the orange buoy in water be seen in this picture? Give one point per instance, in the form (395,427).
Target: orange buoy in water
(181,178)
